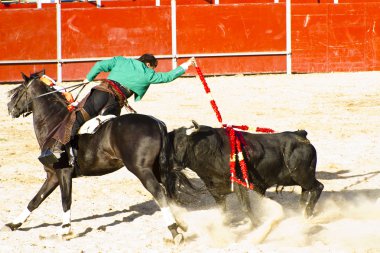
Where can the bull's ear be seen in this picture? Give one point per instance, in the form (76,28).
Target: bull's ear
(25,77)
(196,125)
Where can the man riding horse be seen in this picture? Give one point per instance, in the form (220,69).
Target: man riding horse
(126,77)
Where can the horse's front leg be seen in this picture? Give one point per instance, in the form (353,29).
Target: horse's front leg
(65,182)
(51,182)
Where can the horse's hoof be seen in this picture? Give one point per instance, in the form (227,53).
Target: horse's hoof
(64,230)
(182,225)
(5,228)
(178,239)
(69,236)
(11,226)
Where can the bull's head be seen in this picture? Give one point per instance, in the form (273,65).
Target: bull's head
(189,142)
(181,141)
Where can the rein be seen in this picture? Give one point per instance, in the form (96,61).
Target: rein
(76,86)
(236,140)
(27,113)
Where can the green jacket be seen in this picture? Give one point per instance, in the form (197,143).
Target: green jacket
(133,74)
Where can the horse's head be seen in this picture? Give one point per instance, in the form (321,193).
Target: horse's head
(20,101)
(23,95)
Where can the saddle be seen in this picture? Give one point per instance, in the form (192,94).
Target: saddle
(92,125)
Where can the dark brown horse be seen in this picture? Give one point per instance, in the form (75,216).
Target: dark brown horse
(136,141)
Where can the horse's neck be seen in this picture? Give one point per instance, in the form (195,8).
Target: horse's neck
(47,113)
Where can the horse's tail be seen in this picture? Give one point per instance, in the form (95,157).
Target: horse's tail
(171,178)
(165,171)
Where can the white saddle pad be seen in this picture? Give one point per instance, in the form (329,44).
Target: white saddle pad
(90,126)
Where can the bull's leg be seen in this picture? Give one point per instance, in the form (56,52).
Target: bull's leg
(245,202)
(312,197)
(150,182)
(305,195)
(220,201)
(65,183)
(301,164)
(51,182)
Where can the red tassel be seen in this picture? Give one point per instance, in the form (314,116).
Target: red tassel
(235,143)
(264,130)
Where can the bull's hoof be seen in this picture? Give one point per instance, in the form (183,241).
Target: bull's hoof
(308,213)
(11,226)
(178,239)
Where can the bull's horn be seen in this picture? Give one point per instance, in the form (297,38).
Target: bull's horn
(192,129)
(196,125)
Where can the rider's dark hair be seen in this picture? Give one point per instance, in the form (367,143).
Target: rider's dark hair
(148,58)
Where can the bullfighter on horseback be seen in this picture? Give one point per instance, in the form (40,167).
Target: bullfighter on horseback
(126,77)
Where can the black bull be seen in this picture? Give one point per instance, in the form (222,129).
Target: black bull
(282,159)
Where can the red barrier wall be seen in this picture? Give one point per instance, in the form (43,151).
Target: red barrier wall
(325,37)
(340,37)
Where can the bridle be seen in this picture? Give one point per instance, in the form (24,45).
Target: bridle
(28,110)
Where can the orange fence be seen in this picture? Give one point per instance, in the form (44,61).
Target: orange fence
(325,37)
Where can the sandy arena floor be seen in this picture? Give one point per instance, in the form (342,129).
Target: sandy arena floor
(114,213)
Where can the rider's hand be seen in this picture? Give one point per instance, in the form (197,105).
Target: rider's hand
(192,61)
(86,81)
(187,63)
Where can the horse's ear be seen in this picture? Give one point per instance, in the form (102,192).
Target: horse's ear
(25,77)
(38,74)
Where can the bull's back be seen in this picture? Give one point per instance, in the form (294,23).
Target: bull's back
(273,157)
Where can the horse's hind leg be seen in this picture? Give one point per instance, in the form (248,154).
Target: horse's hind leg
(65,183)
(150,182)
(51,182)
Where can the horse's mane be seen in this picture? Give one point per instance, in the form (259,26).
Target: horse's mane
(57,99)
(15,91)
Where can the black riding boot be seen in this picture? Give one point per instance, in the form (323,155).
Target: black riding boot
(47,157)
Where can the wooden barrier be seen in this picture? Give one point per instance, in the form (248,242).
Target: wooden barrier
(325,36)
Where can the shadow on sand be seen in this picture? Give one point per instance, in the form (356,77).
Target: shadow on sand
(134,212)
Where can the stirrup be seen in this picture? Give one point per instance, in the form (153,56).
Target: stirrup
(47,157)
(72,154)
